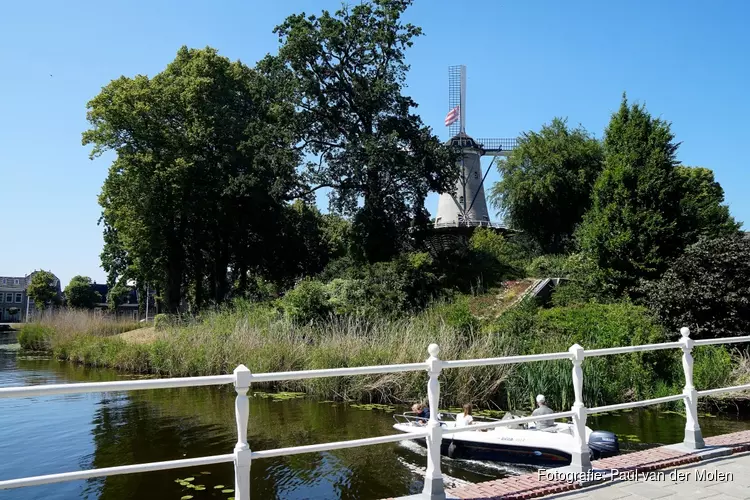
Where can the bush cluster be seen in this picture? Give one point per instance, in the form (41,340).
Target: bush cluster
(384,289)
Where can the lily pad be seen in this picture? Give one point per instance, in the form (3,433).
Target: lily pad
(200,487)
(228,490)
(205,472)
(219,487)
(186,497)
(188,479)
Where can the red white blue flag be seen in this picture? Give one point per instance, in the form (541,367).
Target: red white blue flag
(452,116)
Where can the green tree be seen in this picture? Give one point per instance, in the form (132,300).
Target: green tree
(80,294)
(301,246)
(707,289)
(204,165)
(547,182)
(42,289)
(703,212)
(117,295)
(375,155)
(633,227)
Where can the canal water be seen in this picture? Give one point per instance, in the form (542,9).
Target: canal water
(56,434)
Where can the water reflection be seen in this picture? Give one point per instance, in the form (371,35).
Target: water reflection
(67,433)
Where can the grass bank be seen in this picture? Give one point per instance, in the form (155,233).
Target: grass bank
(60,327)
(264,340)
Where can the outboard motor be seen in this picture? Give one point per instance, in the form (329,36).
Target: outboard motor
(603,444)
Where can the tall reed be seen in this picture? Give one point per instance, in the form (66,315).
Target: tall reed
(60,326)
(265,341)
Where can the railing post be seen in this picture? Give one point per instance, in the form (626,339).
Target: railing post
(693,435)
(242,453)
(580,458)
(433,481)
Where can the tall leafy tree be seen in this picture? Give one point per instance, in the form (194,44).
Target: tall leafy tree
(547,182)
(204,164)
(302,247)
(633,227)
(80,294)
(376,156)
(703,211)
(42,289)
(646,208)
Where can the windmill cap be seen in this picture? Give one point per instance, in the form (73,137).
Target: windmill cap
(540,398)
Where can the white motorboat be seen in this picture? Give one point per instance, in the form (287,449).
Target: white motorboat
(513,443)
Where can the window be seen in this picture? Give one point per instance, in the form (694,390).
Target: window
(8,298)
(18,298)
(5,281)
(15,281)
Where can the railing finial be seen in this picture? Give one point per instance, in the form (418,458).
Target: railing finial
(685,332)
(434,350)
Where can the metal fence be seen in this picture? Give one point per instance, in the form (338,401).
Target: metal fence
(242,378)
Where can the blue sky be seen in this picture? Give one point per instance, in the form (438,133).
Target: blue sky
(528,61)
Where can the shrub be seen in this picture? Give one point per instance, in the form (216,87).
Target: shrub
(306,302)
(35,336)
(259,290)
(389,289)
(349,297)
(495,257)
(459,317)
(549,266)
(568,293)
(712,367)
(162,322)
(706,289)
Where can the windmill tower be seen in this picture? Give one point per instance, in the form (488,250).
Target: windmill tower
(466,207)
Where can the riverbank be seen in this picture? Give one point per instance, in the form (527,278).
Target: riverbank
(264,340)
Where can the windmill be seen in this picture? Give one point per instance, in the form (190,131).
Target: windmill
(465,208)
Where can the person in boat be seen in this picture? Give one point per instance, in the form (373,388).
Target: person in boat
(465,418)
(543,409)
(421,411)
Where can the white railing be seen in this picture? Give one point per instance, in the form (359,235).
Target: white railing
(242,456)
